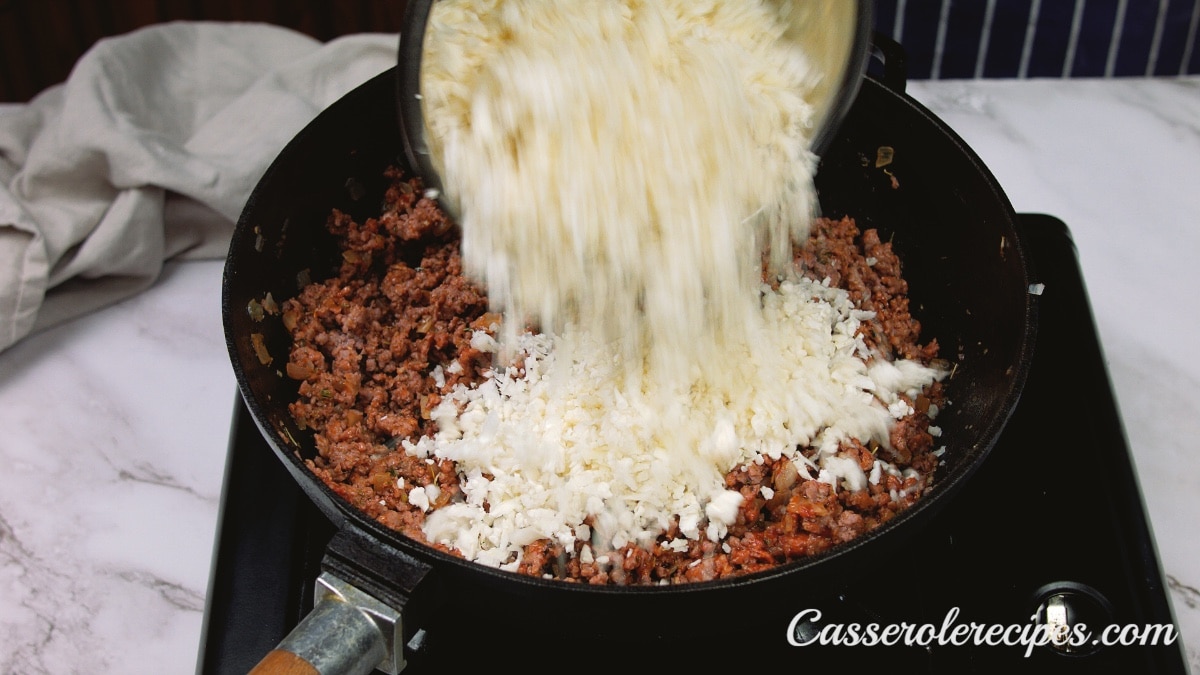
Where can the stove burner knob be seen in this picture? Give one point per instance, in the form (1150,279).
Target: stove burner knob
(1063,608)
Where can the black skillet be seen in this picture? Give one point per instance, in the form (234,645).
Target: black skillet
(970,285)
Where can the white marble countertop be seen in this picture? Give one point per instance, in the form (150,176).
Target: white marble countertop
(115,425)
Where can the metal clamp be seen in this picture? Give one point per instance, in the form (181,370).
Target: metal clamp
(348,632)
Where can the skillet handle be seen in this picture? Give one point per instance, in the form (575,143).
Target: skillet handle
(369,602)
(347,633)
(893,63)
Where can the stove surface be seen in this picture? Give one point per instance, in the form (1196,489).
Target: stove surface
(1055,512)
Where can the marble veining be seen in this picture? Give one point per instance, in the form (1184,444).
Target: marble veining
(114,435)
(114,426)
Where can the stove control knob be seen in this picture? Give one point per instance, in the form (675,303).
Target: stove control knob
(1071,612)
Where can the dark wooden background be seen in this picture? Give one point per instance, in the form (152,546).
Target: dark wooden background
(40,40)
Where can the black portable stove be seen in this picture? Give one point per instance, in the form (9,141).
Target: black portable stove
(1052,529)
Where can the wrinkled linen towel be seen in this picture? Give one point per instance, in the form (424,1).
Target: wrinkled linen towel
(148,152)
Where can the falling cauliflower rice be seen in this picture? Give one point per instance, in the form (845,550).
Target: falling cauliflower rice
(667,142)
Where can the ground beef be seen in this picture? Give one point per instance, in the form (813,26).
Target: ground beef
(372,342)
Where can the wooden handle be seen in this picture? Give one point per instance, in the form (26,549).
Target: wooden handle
(283,662)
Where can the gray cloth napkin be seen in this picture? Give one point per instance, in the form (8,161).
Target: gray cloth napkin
(148,152)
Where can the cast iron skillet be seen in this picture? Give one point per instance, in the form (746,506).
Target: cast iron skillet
(949,220)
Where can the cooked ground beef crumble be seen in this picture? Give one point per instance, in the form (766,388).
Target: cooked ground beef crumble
(367,340)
